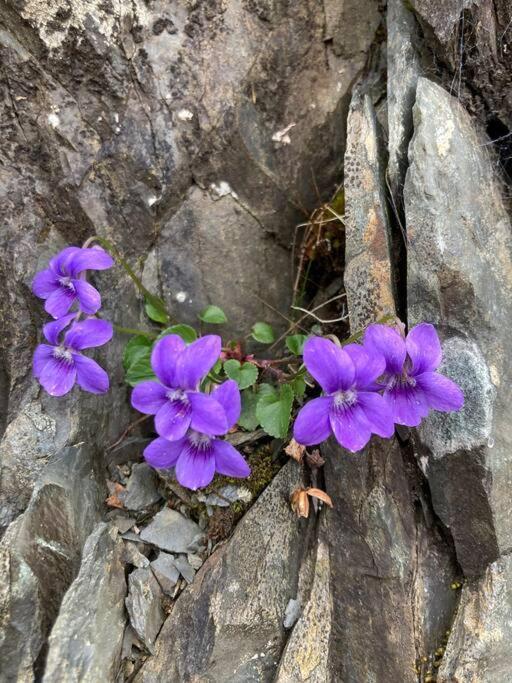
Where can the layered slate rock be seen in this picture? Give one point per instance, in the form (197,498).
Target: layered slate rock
(479,644)
(40,556)
(460,278)
(403,71)
(381,595)
(228,625)
(368,271)
(159,128)
(85,642)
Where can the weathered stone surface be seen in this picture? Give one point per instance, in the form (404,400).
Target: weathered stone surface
(141,490)
(166,572)
(228,625)
(144,605)
(85,642)
(170,530)
(402,75)
(40,556)
(460,278)
(368,273)
(478,650)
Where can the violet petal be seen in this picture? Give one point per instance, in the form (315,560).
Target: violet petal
(173,419)
(407,404)
(207,416)
(441,393)
(89,375)
(88,297)
(369,365)
(42,355)
(386,341)
(44,284)
(312,425)
(162,453)
(228,461)
(424,348)
(148,397)
(59,303)
(228,395)
(351,428)
(88,334)
(164,358)
(332,368)
(377,412)
(60,263)
(58,376)
(53,329)
(197,360)
(91,258)
(195,468)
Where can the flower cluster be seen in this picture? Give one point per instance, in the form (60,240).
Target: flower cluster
(369,388)
(187,420)
(63,285)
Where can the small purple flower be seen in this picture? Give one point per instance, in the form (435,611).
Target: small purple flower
(175,399)
(350,408)
(63,282)
(197,456)
(411,384)
(59,365)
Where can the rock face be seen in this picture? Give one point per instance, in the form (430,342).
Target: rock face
(368,278)
(460,278)
(85,642)
(171,531)
(161,129)
(228,626)
(478,649)
(40,555)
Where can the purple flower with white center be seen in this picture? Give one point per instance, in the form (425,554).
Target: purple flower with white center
(175,399)
(59,364)
(197,456)
(64,282)
(411,384)
(350,408)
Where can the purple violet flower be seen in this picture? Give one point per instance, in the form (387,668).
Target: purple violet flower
(59,365)
(197,456)
(411,384)
(350,408)
(64,282)
(175,399)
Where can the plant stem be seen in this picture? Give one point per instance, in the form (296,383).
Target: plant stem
(133,331)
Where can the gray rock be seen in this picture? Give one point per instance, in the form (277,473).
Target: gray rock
(144,605)
(479,645)
(171,531)
(368,277)
(142,488)
(403,72)
(166,572)
(133,556)
(40,555)
(459,277)
(291,613)
(85,642)
(185,569)
(228,625)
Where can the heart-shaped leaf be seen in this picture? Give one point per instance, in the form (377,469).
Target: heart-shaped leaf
(245,375)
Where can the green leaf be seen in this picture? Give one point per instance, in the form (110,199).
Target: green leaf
(295,343)
(298,385)
(133,348)
(213,315)
(244,375)
(248,419)
(274,410)
(263,333)
(187,333)
(140,367)
(155,309)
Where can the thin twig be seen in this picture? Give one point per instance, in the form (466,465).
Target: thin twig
(131,426)
(291,322)
(323,322)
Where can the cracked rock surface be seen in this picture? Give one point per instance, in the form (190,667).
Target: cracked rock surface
(194,135)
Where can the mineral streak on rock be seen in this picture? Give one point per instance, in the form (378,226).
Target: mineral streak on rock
(368,270)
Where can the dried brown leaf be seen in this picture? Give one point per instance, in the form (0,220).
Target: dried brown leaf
(295,450)
(321,495)
(299,502)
